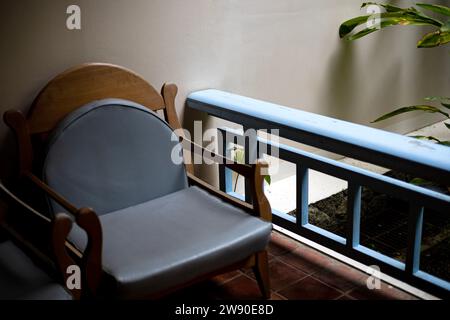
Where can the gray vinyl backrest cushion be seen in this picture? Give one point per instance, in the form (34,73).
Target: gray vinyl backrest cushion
(111,154)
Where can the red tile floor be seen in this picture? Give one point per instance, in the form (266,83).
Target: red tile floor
(297,272)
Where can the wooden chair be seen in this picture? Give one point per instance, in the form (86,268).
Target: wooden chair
(94,134)
(30,271)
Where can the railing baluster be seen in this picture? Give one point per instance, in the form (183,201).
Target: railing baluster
(302,195)
(251,152)
(353,214)
(225,174)
(350,245)
(415,224)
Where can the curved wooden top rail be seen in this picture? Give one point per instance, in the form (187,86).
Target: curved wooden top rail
(85,83)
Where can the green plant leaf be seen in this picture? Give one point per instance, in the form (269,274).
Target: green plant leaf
(422,15)
(446,26)
(435,8)
(421,182)
(393,16)
(445,143)
(414,17)
(384,22)
(268,179)
(434,39)
(346,27)
(425,108)
(445,101)
(239,155)
(437,98)
(361,34)
(426,138)
(386,19)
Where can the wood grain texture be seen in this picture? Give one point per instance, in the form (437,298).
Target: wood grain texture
(88,220)
(260,202)
(86,83)
(52,193)
(169,93)
(61,226)
(261,271)
(18,124)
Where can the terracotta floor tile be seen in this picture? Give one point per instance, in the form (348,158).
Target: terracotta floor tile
(307,260)
(276,296)
(345,297)
(280,244)
(341,276)
(281,275)
(240,288)
(310,289)
(386,292)
(222,278)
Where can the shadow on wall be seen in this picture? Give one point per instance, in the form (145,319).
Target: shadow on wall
(371,76)
(206,172)
(351,75)
(339,87)
(384,66)
(429,61)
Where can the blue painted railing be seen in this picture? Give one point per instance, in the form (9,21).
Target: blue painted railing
(360,142)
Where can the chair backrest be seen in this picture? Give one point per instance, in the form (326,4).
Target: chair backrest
(111,154)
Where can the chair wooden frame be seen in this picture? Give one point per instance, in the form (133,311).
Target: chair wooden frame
(60,226)
(94,81)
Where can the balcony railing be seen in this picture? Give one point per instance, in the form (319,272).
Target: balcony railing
(375,146)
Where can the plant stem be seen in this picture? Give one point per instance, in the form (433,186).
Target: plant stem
(235,184)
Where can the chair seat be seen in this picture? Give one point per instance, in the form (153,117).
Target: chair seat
(21,279)
(173,239)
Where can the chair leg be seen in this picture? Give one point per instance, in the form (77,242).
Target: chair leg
(261,271)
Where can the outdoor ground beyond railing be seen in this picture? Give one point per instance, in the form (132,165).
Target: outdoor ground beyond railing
(393,151)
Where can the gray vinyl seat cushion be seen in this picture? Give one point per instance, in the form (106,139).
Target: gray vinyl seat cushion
(173,239)
(21,279)
(112,154)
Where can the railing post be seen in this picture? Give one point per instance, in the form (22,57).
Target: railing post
(415,223)
(302,195)
(251,153)
(353,215)
(225,174)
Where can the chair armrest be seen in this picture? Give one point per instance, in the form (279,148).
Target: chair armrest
(51,193)
(87,219)
(261,206)
(260,202)
(61,226)
(60,255)
(193,180)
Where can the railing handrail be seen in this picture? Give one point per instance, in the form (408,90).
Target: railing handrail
(377,146)
(344,171)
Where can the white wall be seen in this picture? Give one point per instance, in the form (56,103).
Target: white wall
(284,51)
